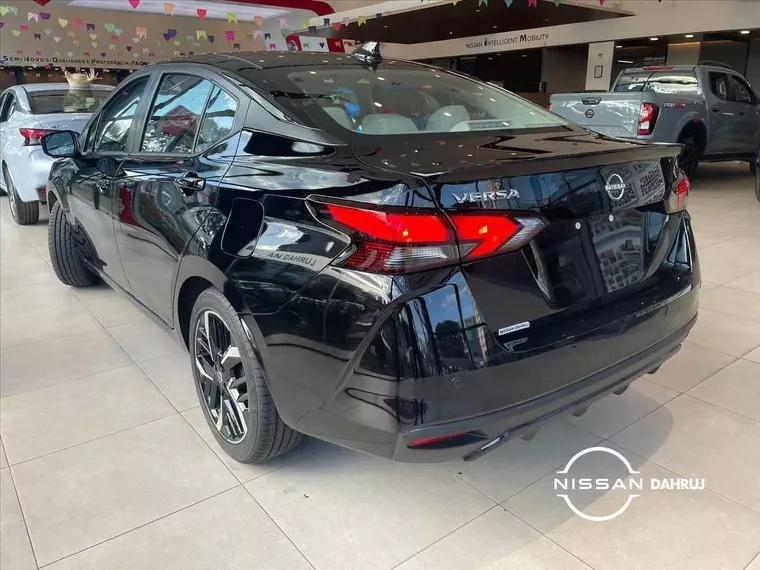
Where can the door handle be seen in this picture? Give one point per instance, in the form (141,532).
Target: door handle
(716,109)
(190,183)
(741,113)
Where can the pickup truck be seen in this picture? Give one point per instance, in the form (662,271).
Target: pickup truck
(708,108)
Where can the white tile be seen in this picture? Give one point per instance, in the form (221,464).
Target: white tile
(696,439)
(736,388)
(173,376)
(112,485)
(611,414)
(110,307)
(496,540)
(145,340)
(228,532)
(42,364)
(730,301)
(248,471)
(755,564)
(517,464)
(725,333)
(754,356)
(3,457)
(18,329)
(749,283)
(689,367)
(59,416)
(34,297)
(15,549)
(26,274)
(677,530)
(345,510)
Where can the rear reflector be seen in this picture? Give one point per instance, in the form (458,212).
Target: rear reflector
(677,200)
(400,241)
(33,137)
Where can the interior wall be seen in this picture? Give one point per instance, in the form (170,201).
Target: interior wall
(753,65)
(564,69)
(726,51)
(683,54)
(75,37)
(599,66)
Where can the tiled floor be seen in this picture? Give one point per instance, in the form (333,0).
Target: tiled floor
(107,464)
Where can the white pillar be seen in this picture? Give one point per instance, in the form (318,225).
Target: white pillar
(599,66)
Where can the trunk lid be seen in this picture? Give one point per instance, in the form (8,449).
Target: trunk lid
(63,121)
(612,114)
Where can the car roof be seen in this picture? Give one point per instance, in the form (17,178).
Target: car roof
(37,87)
(271,59)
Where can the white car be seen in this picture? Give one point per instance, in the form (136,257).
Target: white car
(27,113)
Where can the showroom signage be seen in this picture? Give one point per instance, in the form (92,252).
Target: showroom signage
(15,60)
(633,483)
(507,41)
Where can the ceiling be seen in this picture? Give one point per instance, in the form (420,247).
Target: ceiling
(464,20)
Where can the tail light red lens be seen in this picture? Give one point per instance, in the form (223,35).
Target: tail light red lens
(647,118)
(405,241)
(33,137)
(677,200)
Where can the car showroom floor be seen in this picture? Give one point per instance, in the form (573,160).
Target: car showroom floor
(108,464)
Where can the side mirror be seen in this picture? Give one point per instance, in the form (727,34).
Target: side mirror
(61,144)
(108,166)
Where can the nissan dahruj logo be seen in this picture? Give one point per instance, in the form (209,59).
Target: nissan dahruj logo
(568,487)
(615,186)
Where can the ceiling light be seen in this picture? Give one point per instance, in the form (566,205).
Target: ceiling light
(744,32)
(689,36)
(525,55)
(618,47)
(625,61)
(653,39)
(495,27)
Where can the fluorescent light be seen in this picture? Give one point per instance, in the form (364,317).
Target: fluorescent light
(653,39)
(618,47)
(689,36)
(744,32)
(625,61)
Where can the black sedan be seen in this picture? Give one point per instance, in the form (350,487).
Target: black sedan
(386,255)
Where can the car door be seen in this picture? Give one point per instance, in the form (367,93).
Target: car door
(3,120)
(99,175)
(746,118)
(7,137)
(185,150)
(720,110)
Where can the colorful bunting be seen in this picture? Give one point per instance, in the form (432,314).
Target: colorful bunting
(363,19)
(257,33)
(176,52)
(134,4)
(167,36)
(94,44)
(79,22)
(230,34)
(63,21)
(201,13)
(90,27)
(200,34)
(76,42)
(48,31)
(56,39)
(109,27)
(235,46)
(259,20)
(93,36)
(33,16)
(267,36)
(557,2)
(313,29)
(508,3)
(44,16)
(136,40)
(326,21)
(114,38)
(189,38)
(146,50)
(283,22)
(169,9)
(117,31)
(379,15)
(37,36)
(142,32)
(346,21)
(13,10)
(71,34)
(482,2)
(111,47)
(337,25)
(306,23)
(533,3)
(231,17)
(24,28)
(4,10)
(42,2)
(272,46)
(211,38)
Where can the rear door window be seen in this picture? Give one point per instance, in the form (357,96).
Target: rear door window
(116,118)
(218,120)
(719,84)
(66,101)
(740,91)
(665,82)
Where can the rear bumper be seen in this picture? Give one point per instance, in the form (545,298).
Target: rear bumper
(497,428)
(29,168)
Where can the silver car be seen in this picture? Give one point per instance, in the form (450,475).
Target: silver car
(27,113)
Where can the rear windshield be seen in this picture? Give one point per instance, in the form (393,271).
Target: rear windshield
(66,101)
(657,82)
(407,100)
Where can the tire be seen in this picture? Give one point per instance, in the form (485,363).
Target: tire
(68,246)
(753,167)
(757,186)
(688,160)
(24,213)
(265,434)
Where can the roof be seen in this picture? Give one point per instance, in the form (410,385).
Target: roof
(267,59)
(36,87)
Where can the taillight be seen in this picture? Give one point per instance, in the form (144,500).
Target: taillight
(647,118)
(677,200)
(401,241)
(33,137)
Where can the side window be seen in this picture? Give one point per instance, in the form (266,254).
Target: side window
(8,105)
(218,120)
(116,118)
(719,85)
(176,114)
(740,90)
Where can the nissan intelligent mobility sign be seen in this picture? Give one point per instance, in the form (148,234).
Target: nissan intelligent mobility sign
(507,40)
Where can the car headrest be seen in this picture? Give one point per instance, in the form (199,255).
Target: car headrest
(387,123)
(340,116)
(445,118)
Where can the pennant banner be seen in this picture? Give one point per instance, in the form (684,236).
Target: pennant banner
(231,17)
(169,9)
(200,34)
(33,16)
(230,34)
(201,13)
(90,27)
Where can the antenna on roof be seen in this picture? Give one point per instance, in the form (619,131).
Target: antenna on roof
(368,53)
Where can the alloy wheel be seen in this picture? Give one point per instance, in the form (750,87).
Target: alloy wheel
(221,377)
(12,197)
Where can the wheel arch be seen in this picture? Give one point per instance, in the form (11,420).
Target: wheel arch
(195,275)
(696,129)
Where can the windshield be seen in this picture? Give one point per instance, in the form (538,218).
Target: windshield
(71,101)
(407,100)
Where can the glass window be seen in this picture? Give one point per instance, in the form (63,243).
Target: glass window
(719,85)
(393,99)
(116,118)
(7,108)
(218,119)
(740,91)
(175,115)
(66,101)
(666,82)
